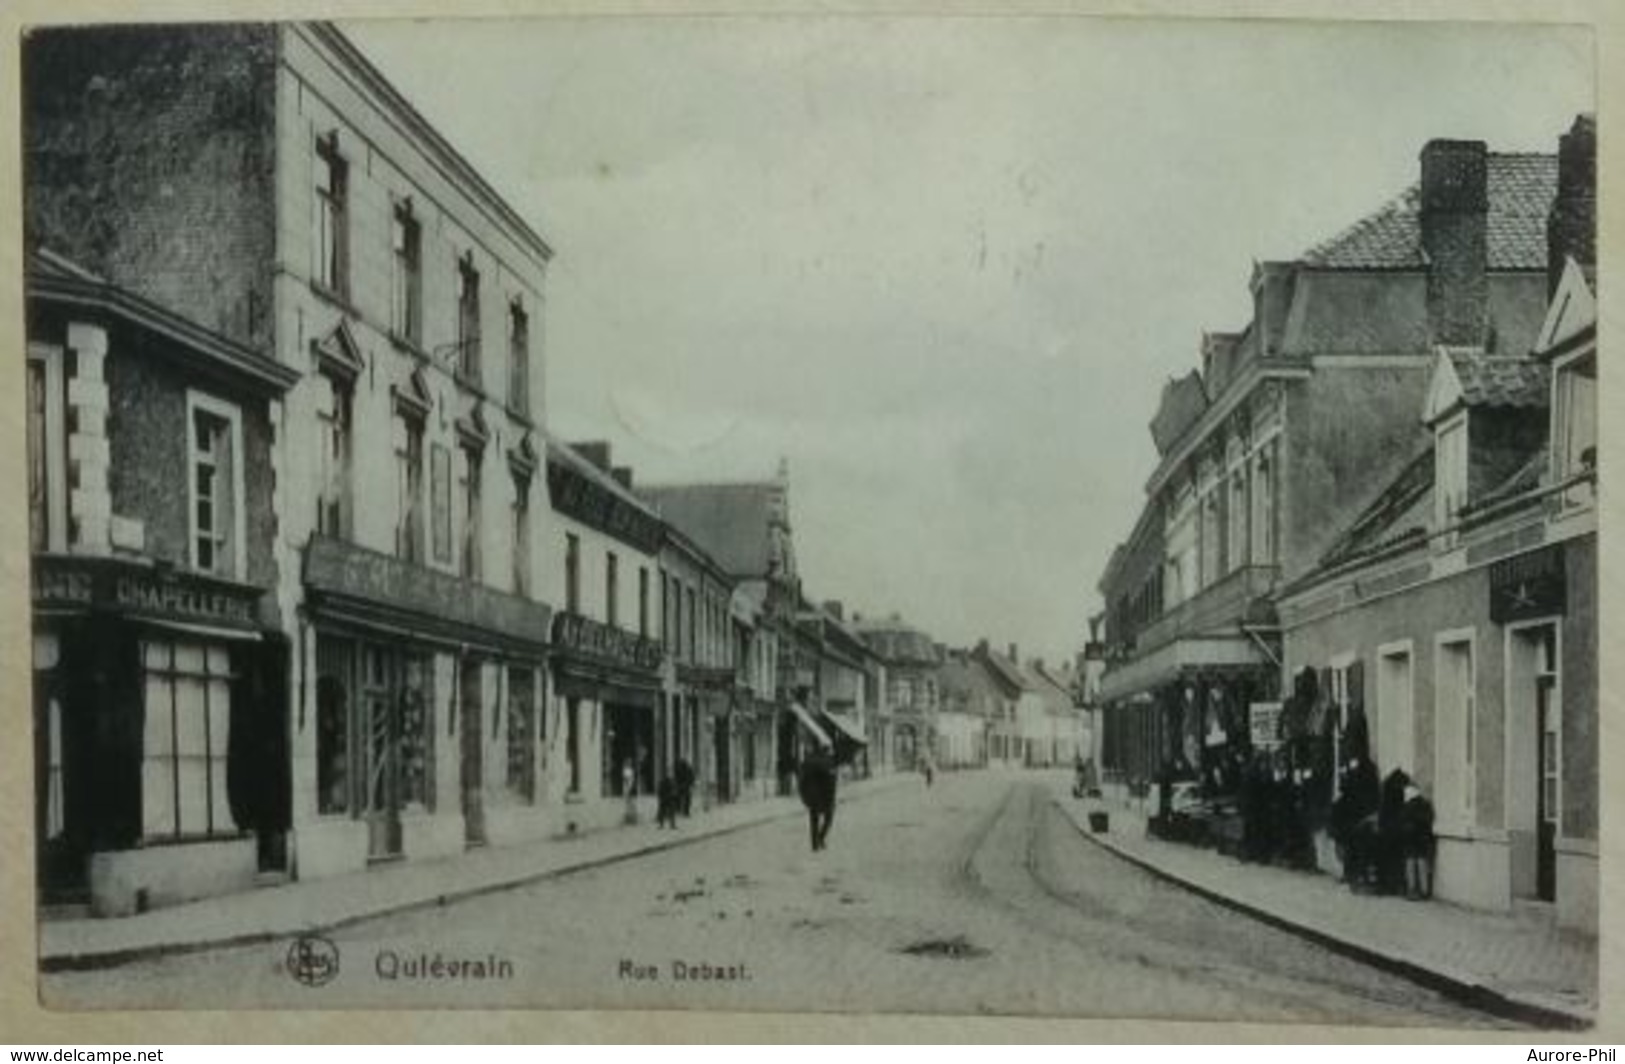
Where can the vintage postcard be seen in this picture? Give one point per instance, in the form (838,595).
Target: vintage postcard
(1044,516)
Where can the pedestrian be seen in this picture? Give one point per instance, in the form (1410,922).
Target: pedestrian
(817,786)
(929,769)
(1354,821)
(667,804)
(1390,857)
(683,777)
(1418,841)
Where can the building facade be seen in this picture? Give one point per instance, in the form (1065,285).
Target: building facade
(912,694)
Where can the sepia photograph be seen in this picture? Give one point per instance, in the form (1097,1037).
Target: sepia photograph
(1016,516)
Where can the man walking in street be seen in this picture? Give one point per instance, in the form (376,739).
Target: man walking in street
(817,786)
(683,776)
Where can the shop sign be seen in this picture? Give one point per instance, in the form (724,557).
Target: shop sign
(94,583)
(1528,586)
(581,635)
(1264,722)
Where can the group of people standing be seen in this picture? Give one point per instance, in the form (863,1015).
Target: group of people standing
(1383,831)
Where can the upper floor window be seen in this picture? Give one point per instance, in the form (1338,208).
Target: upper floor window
(408,451)
(693,625)
(470,498)
(1574,426)
(1237,538)
(1264,507)
(643,600)
(521,534)
(612,591)
(332,237)
(47,451)
(572,572)
(217,486)
(518,357)
(1449,477)
(406,293)
(333,449)
(468,320)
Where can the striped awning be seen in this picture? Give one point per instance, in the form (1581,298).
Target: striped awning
(811,724)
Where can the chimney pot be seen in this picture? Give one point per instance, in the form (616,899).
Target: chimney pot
(623,476)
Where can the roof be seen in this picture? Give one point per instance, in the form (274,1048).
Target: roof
(559,451)
(730,522)
(1399,512)
(1500,380)
(1006,671)
(1520,188)
(965,686)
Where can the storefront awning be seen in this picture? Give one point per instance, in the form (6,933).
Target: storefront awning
(1166,662)
(812,725)
(848,728)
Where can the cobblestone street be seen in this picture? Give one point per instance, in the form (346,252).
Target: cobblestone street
(975,895)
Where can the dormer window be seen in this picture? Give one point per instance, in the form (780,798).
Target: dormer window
(1449,475)
(1574,427)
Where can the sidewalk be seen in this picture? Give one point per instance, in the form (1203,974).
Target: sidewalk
(1516,964)
(323,904)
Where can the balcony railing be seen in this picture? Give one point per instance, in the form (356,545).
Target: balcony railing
(1224,604)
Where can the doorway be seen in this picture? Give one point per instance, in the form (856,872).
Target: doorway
(1534,757)
(380,726)
(724,770)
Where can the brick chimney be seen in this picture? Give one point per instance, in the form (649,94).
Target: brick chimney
(623,476)
(594,451)
(834,608)
(1571,228)
(1455,223)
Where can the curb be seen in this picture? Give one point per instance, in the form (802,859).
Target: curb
(1461,989)
(96,960)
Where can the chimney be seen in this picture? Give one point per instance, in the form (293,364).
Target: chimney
(833,608)
(1454,219)
(594,451)
(623,476)
(1015,655)
(1571,228)
(981,647)
(1272,295)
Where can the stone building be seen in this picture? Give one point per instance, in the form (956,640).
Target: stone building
(1450,632)
(267,183)
(1290,428)
(912,695)
(160,691)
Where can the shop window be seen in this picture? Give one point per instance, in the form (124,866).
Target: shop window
(572,572)
(217,486)
(469,492)
(409,488)
(333,456)
(612,591)
(468,321)
(518,357)
(183,765)
(521,779)
(47,451)
(334,680)
(406,291)
(521,534)
(331,269)
(416,739)
(572,743)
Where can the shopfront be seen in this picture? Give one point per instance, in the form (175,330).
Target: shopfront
(160,713)
(420,725)
(606,682)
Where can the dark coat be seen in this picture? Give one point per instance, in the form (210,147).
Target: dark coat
(816,782)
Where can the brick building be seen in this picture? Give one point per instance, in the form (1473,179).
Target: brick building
(267,183)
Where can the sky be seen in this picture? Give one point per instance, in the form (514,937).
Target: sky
(941,266)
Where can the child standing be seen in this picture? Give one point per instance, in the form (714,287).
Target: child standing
(1417,840)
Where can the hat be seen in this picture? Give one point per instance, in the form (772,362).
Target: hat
(1412,791)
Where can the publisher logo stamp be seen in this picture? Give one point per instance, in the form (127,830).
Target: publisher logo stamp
(313,960)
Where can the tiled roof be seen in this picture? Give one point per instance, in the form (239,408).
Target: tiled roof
(1520,190)
(568,455)
(1502,381)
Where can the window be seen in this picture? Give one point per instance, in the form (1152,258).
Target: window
(1574,427)
(1455,749)
(692,625)
(643,601)
(521,778)
(47,451)
(333,447)
(408,446)
(185,738)
(572,572)
(332,222)
(572,742)
(1264,506)
(612,578)
(217,487)
(1450,476)
(406,293)
(665,611)
(440,502)
(469,490)
(468,321)
(518,357)
(1238,520)
(1211,533)
(521,534)
(334,683)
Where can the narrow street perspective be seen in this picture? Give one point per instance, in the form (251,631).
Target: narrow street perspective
(974,895)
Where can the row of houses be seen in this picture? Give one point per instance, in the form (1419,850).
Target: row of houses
(314,587)
(1371,530)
